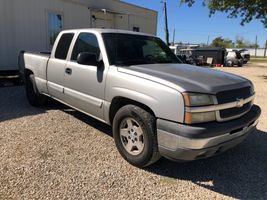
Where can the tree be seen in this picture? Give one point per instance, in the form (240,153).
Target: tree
(240,42)
(246,9)
(221,42)
(253,46)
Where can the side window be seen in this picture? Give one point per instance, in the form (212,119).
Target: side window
(63,46)
(86,42)
(55,24)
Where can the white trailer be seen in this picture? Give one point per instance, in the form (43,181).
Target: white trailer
(32,25)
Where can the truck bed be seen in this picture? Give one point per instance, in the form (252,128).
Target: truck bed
(32,59)
(36,62)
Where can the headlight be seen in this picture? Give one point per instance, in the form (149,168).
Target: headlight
(252,91)
(194,118)
(195,99)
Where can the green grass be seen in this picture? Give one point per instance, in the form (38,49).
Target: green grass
(258,57)
(258,60)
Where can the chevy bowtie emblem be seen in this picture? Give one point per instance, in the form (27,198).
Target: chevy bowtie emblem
(239,102)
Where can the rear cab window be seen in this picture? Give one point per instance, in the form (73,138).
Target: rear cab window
(63,46)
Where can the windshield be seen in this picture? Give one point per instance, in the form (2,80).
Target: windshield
(129,49)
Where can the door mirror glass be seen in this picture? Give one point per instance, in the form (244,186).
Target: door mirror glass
(86,58)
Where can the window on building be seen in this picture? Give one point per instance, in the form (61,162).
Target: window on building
(63,46)
(86,42)
(136,29)
(55,24)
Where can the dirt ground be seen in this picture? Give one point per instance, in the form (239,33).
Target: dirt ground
(57,153)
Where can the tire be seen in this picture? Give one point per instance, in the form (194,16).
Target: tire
(229,64)
(143,127)
(240,64)
(34,97)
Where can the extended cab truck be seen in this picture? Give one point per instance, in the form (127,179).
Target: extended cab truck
(156,105)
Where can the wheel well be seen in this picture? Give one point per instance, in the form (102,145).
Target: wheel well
(119,102)
(27,72)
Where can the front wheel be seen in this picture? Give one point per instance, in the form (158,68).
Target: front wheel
(134,132)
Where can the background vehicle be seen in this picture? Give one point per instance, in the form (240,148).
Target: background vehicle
(234,58)
(245,54)
(184,52)
(155,105)
(201,55)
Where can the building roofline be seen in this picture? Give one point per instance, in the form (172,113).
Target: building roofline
(83,2)
(131,4)
(103,30)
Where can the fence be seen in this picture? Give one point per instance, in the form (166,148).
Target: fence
(259,52)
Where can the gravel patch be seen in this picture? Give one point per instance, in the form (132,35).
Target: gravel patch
(55,152)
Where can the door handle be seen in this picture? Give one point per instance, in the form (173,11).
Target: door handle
(68,71)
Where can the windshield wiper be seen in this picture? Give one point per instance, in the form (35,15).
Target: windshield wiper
(167,61)
(131,62)
(142,62)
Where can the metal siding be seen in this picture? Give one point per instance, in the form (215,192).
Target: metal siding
(6,33)
(24,23)
(144,18)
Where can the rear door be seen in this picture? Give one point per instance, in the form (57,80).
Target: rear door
(84,84)
(56,66)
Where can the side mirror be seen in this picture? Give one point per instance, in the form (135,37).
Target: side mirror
(85,58)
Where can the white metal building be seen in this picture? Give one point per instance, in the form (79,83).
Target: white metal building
(32,25)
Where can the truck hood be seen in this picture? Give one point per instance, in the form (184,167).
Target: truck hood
(188,78)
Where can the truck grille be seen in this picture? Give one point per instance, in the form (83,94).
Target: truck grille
(230,112)
(232,96)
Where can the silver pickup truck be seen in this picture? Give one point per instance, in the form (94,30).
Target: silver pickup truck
(156,105)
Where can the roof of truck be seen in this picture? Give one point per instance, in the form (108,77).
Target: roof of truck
(103,30)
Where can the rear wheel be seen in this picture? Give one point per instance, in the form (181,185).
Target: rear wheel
(229,63)
(240,64)
(134,132)
(34,97)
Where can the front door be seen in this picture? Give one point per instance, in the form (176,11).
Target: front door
(84,84)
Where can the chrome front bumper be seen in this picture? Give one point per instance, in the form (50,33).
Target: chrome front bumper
(183,142)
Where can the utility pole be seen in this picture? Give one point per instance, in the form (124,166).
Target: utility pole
(265,48)
(166,22)
(208,40)
(173,40)
(256,44)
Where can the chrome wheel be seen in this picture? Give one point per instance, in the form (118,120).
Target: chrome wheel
(131,135)
(134,132)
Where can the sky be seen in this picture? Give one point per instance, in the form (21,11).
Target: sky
(194,25)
